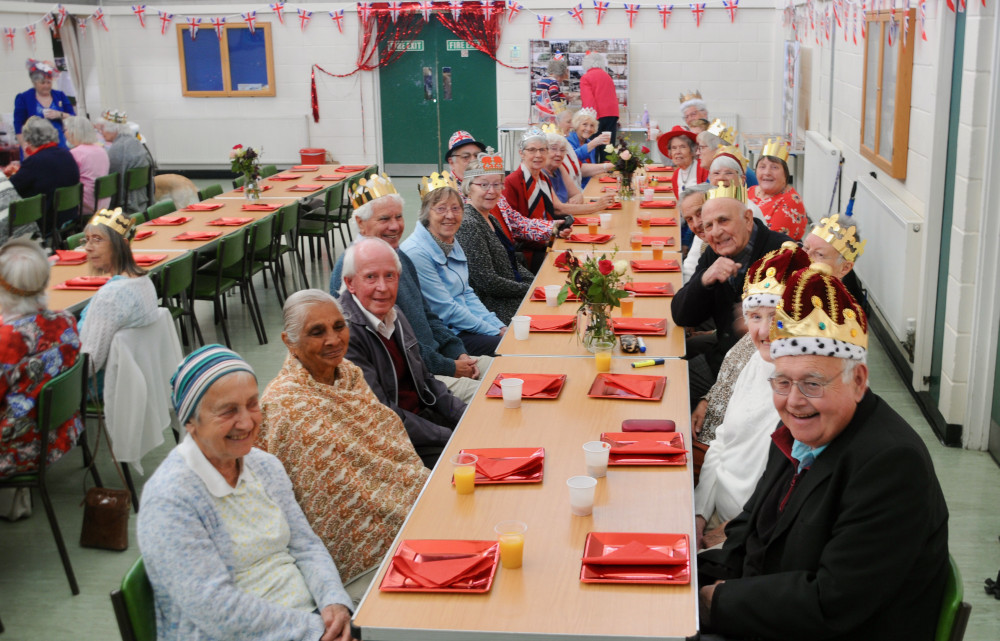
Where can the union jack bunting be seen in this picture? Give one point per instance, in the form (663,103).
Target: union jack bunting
(219,24)
(278,8)
(426,8)
(193,26)
(893,31)
(9,34)
(250,17)
(304,18)
(906,21)
(487,9)
(837,8)
(365,11)
(456,8)
(864,10)
(731,6)
(577,13)
(631,11)
(49,21)
(699,11)
(543,102)
(82,24)
(544,22)
(165,20)
(922,17)
(338,18)
(98,17)
(140,12)
(62,15)
(601,8)
(513,8)
(395,8)
(665,13)
(31,33)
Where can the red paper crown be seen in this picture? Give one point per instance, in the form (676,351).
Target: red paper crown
(765,280)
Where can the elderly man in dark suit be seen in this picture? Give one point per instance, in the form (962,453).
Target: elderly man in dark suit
(846,534)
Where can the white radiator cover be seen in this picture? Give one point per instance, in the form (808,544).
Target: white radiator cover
(890,265)
(820,174)
(193,143)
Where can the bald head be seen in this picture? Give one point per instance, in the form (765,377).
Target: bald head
(727,224)
(371,273)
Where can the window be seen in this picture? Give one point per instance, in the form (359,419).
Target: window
(239,63)
(885,117)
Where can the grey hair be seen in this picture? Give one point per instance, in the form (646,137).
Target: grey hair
(580,117)
(80,130)
(690,192)
(293,314)
(557,68)
(564,115)
(531,134)
(432,199)
(366,211)
(594,59)
(39,131)
(727,162)
(23,265)
(710,140)
(349,268)
(849,365)
(694,102)
(692,145)
(557,139)
(117,128)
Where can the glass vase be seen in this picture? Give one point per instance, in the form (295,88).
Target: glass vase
(594,324)
(251,189)
(625,188)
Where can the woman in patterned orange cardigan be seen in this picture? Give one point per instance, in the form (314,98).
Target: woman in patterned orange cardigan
(353,469)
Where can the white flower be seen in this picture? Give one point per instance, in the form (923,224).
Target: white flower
(621,266)
(609,149)
(625,155)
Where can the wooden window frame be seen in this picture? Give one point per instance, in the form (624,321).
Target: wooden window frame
(877,23)
(227,90)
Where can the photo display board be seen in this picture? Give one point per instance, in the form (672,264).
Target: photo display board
(542,51)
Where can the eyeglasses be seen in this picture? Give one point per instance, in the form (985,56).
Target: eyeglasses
(535,150)
(468,156)
(93,240)
(810,388)
(441,211)
(489,186)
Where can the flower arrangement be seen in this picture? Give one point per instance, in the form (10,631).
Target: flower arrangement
(599,284)
(246,161)
(627,159)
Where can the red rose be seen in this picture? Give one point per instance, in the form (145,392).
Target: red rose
(237,146)
(605,267)
(645,149)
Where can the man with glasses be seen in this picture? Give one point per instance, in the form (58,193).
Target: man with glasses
(386,349)
(846,533)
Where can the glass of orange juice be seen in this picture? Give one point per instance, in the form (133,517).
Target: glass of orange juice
(645,219)
(657,246)
(592,227)
(464,472)
(602,355)
(635,238)
(627,305)
(511,537)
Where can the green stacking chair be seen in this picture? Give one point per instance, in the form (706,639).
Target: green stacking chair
(318,228)
(210,192)
(954,611)
(161,208)
(175,283)
(76,240)
(268,170)
(134,605)
(287,227)
(24,212)
(238,181)
(107,187)
(136,178)
(211,283)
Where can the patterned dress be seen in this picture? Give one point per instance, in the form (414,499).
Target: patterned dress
(33,350)
(784,212)
(353,468)
(718,397)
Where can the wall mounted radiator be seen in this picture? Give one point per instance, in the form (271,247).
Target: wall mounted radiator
(820,173)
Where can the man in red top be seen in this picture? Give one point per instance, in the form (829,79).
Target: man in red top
(597,91)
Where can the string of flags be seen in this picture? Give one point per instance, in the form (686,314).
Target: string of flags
(810,16)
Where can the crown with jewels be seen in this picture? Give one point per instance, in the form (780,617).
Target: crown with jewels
(116,220)
(370,188)
(588,111)
(690,95)
(736,190)
(720,129)
(113,115)
(843,237)
(486,164)
(765,279)
(436,181)
(817,316)
(777,148)
(734,153)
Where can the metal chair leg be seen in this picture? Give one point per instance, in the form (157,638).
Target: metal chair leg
(131,486)
(63,554)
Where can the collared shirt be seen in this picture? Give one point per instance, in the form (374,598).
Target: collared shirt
(805,455)
(382,328)
(199,464)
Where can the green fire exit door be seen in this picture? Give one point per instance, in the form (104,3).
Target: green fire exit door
(440,84)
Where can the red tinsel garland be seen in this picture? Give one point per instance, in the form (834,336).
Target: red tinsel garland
(482,34)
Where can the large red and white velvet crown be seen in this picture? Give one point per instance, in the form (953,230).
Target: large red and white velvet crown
(765,280)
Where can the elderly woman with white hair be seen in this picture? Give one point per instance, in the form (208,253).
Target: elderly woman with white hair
(586,142)
(126,152)
(597,91)
(36,345)
(228,550)
(46,166)
(567,195)
(90,157)
(353,468)
(42,101)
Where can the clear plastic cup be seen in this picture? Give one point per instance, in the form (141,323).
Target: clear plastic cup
(596,456)
(510,534)
(581,494)
(635,240)
(648,193)
(464,472)
(510,388)
(522,327)
(552,295)
(602,355)
(605,220)
(657,246)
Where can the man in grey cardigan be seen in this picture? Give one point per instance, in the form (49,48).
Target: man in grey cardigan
(386,349)
(442,351)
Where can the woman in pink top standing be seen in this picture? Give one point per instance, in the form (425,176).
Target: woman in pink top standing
(90,157)
(597,91)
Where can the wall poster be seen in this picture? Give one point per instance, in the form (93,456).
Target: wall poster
(542,51)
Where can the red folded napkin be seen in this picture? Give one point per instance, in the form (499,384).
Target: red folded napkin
(500,468)
(651,289)
(535,384)
(171,220)
(230,222)
(590,238)
(549,322)
(203,207)
(609,189)
(439,573)
(667,240)
(305,188)
(631,384)
(587,221)
(639,325)
(329,177)
(663,189)
(283,177)
(658,168)
(613,206)
(148,259)
(647,447)
(261,187)
(648,425)
(304,168)
(198,235)
(669,221)
(259,207)
(668,265)
(636,553)
(607,179)
(657,204)
(351,169)
(71,257)
(539,294)
(83,282)
(144,233)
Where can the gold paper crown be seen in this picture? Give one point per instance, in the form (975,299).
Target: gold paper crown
(776,148)
(818,324)
(113,115)
(436,181)
(690,95)
(370,188)
(115,220)
(736,190)
(734,153)
(550,128)
(843,238)
(720,129)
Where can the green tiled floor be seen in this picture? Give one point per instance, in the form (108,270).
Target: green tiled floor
(35,601)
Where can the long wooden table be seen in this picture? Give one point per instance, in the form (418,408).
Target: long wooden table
(545,597)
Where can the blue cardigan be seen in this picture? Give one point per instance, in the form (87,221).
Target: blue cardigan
(26,105)
(444,282)
(189,560)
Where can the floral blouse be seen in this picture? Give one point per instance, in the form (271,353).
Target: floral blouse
(784,212)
